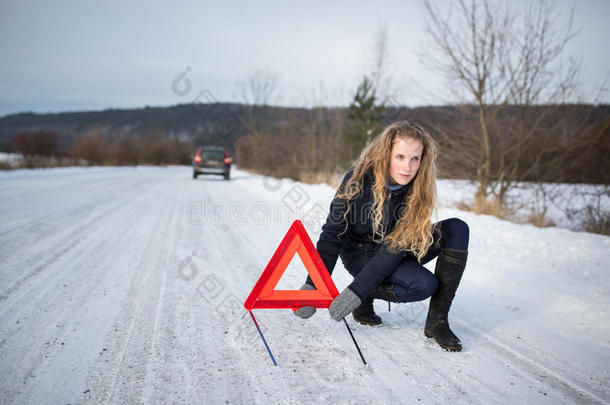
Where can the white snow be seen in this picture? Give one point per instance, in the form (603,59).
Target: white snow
(126,285)
(12,159)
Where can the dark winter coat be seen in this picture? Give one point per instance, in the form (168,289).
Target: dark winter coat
(360,224)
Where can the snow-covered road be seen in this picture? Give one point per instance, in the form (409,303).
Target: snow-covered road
(126,285)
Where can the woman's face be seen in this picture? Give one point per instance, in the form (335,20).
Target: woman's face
(405,160)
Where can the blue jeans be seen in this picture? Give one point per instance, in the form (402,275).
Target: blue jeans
(372,265)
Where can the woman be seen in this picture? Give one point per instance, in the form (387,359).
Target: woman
(379,223)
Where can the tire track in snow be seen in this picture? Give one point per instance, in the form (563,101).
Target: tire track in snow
(527,368)
(570,388)
(55,204)
(114,375)
(78,242)
(159,365)
(33,215)
(80,271)
(38,255)
(218,236)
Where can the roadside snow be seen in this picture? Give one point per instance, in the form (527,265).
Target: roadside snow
(564,205)
(13,159)
(127,285)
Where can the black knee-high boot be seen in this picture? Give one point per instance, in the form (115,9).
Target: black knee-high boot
(450,266)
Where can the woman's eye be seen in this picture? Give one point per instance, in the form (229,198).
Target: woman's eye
(415,159)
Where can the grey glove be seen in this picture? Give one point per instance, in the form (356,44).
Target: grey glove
(305,312)
(343,304)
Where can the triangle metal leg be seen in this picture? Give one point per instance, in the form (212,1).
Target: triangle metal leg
(263,338)
(354,339)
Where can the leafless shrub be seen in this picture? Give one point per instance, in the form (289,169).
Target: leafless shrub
(488,207)
(124,151)
(6,166)
(305,146)
(539,219)
(594,216)
(91,146)
(316,177)
(39,143)
(152,147)
(596,221)
(541,196)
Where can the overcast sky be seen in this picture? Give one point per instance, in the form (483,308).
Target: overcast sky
(89,55)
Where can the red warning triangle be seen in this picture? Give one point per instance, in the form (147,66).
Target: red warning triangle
(264,295)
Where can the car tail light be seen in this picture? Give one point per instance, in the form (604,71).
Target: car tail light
(197,158)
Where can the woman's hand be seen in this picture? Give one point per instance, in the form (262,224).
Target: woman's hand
(343,304)
(305,312)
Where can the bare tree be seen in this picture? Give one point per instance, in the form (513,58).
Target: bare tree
(259,88)
(367,109)
(256,92)
(379,70)
(303,143)
(499,60)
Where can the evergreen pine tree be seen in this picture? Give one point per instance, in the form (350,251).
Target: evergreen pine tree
(363,120)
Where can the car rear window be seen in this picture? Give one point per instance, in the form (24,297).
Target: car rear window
(213,154)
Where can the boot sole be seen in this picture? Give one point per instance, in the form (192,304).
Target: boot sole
(367,323)
(446,347)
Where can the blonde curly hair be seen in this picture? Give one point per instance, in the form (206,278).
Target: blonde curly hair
(413,230)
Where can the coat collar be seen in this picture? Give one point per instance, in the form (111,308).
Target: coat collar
(371,178)
(400,190)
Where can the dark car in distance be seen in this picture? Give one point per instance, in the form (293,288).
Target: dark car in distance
(212,160)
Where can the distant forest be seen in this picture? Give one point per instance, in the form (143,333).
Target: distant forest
(571,143)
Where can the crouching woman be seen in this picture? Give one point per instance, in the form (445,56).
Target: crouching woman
(379,224)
